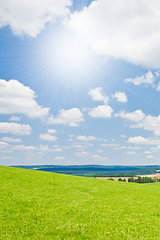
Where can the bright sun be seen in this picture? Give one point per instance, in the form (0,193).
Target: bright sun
(69,56)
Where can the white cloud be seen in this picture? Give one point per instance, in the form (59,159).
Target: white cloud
(123,136)
(6,157)
(82,154)
(158,87)
(157,148)
(59,158)
(127,147)
(14,119)
(15,128)
(52,130)
(135,116)
(79,146)
(143,141)
(57,150)
(128,31)
(121,147)
(42,149)
(120,96)
(85,109)
(147,152)
(28,17)
(134,148)
(10,139)
(24,148)
(102,111)
(130,153)
(45,148)
(47,137)
(71,135)
(150,156)
(3,145)
(112,144)
(71,117)
(147,122)
(98,95)
(89,155)
(86,139)
(17,98)
(103,145)
(147,79)
(96,156)
(100,151)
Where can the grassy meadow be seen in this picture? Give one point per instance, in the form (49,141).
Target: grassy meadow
(44,205)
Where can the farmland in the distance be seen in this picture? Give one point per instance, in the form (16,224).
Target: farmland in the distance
(44,205)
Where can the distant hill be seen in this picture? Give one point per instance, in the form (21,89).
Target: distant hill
(96,170)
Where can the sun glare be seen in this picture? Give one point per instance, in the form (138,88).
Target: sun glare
(69,57)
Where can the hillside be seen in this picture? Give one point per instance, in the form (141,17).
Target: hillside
(43,205)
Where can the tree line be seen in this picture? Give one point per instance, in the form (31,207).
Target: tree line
(143,180)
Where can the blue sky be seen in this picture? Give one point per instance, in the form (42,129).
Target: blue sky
(79,82)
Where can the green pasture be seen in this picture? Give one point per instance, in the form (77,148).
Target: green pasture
(42,205)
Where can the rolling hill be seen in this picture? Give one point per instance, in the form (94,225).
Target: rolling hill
(44,205)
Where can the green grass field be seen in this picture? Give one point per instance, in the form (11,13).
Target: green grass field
(43,205)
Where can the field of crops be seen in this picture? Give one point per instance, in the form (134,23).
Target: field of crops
(43,205)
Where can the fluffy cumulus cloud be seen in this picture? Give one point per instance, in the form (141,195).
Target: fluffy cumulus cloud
(135,116)
(150,123)
(146,79)
(15,98)
(86,139)
(141,120)
(14,119)
(47,137)
(15,128)
(28,17)
(143,141)
(71,117)
(120,96)
(127,30)
(98,95)
(102,111)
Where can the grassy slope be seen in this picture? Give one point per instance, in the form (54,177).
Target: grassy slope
(43,205)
